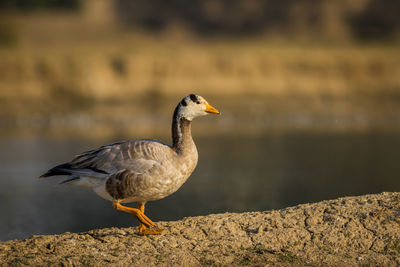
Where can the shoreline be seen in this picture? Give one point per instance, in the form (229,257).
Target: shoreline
(345,231)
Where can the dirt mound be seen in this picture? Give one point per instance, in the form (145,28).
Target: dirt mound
(349,231)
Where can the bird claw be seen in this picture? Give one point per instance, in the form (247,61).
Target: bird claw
(143,230)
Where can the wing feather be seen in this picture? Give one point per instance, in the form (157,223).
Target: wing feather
(137,156)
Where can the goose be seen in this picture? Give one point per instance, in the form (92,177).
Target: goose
(140,170)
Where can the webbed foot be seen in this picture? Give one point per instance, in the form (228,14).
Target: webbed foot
(144,230)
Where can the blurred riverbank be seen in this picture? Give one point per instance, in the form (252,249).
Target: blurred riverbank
(259,86)
(87,66)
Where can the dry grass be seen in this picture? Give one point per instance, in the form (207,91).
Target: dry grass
(118,72)
(140,75)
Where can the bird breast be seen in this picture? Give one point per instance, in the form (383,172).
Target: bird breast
(168,178)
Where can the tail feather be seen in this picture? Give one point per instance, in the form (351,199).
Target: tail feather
(68,169)
(70,180)
(61,169)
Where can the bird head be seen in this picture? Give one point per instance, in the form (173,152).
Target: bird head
(193,106)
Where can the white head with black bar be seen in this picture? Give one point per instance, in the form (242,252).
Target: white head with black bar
(193,106)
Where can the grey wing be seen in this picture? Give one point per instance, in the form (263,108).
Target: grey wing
(136,156)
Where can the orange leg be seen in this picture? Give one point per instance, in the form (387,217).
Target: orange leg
(135,212)
(141,206)
(144,221)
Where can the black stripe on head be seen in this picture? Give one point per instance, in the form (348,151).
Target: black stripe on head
(194,98)
(183,102)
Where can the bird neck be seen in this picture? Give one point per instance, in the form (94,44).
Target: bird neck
(181,133)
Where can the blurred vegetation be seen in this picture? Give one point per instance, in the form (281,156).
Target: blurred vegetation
(8,35)
(34,5)
(315,19)
(70,65)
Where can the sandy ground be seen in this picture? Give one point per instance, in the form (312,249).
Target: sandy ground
(363,231)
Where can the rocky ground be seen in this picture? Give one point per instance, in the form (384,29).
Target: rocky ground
(348,231)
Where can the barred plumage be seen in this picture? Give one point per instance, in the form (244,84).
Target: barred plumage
(140,170)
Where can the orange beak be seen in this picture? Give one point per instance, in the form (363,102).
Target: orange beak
(211,109)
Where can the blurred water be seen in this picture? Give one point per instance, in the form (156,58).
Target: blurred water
(234,174)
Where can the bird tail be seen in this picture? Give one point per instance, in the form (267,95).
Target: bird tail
(62,169)
(86,177)
(68,169)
